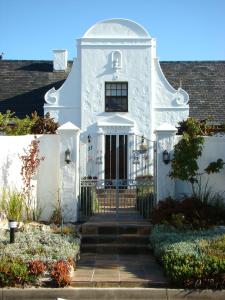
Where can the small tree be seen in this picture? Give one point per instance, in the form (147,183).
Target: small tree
(30,164)
(188,150)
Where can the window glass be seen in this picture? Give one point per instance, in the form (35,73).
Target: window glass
(113,92)
(116,97)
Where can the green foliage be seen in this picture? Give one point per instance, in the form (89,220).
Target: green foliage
(145,200)
(191,212)
(188,150)
(191,258)
(14,271)
(89,201)
(45,125)
(34,244)
(12,204)
(34,124)
(34,253)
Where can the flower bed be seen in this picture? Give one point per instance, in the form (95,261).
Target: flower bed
(191,258)
(35,252)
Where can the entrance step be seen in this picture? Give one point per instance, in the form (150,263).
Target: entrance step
(117,254)
(107,248)
(115,237)
(94,228)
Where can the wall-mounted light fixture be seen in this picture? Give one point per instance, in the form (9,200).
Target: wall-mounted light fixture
(89,139)
(67,156)
(166,157)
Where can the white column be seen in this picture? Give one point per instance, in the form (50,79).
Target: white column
(69,172)
(131,148)
(101,154)
(165,139)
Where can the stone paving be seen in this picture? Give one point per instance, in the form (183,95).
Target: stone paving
(118,270)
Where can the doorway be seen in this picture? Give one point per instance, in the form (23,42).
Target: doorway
(115,157)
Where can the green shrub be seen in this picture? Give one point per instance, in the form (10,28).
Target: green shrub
(88,201)
(13,271)
(34,124)
(191,258)
(190,213)
(11,204)
(34,244)
(145,200)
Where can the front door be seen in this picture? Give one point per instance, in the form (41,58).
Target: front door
(115,157)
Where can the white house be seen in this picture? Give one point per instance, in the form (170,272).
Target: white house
(117,95)
(118,114)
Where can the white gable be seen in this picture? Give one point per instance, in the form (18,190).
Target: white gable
(116,28)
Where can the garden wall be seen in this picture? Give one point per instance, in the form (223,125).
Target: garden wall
(214,148)
(55,179)
(46,182)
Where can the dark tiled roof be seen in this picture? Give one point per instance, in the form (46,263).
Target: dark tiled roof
(205,83)
(23,84)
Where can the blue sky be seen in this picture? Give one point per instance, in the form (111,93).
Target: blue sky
(184,29)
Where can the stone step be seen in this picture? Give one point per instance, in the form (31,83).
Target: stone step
(116,228)
(115,239)
(115,248)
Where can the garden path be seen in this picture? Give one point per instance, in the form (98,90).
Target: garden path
(116,253)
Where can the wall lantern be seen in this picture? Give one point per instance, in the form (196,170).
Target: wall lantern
(89,139)
(67,156)
(166,157)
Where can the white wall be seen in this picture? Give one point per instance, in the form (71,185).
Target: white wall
(214,148)
(47,179)
(54,178)
(151,99)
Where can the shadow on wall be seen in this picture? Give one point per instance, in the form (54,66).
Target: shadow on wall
(107,69)
(26,103)
(5,171)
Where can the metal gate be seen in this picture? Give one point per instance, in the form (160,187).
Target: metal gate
(120,182)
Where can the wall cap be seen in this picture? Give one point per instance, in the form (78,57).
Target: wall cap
(68,126)
(166,127)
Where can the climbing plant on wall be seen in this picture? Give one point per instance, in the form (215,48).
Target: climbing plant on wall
(187,151)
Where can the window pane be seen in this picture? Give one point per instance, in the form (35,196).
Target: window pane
(124,92)
(116,97)
(113,92)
